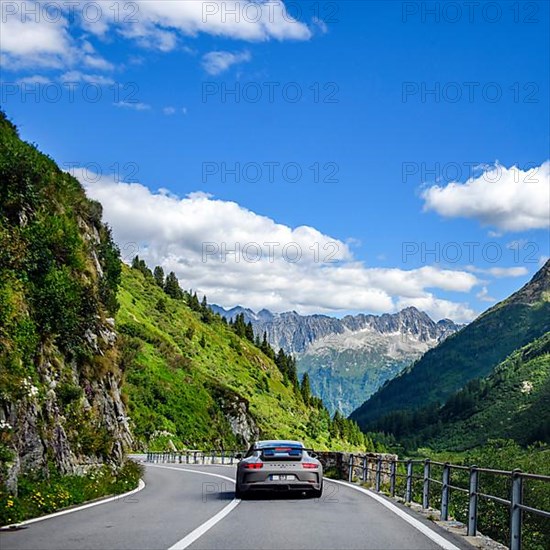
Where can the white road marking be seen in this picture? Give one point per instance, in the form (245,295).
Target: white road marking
(189,539)
(424,529)
(141,485)
(186,541)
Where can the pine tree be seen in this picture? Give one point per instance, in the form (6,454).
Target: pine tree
(240,326)
(206,313)
(140,265)
(158,275)
(194,303)
(172,286)
(266,348)
(305,388)
(249,332)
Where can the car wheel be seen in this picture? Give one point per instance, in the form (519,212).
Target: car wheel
(238,493)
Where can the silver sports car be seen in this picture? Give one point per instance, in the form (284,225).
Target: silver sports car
(279,466)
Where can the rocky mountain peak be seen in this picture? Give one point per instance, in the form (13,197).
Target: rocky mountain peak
(537,289)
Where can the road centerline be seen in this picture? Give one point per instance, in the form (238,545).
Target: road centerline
(194,535)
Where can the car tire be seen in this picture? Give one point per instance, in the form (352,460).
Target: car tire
(318,493)
(238,493)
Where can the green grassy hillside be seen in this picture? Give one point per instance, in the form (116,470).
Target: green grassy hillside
(188,376)
(512,403)
(471,353)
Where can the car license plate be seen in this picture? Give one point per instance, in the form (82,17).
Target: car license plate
(281,477)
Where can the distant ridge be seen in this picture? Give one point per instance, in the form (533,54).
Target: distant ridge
(471,353)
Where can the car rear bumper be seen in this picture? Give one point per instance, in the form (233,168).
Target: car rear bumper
(310,481)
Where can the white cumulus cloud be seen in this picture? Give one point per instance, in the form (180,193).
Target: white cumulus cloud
(215,63)
(55,35)
(509,199)
(236,256)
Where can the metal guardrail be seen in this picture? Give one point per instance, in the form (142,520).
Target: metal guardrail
(368,466)
(193,457)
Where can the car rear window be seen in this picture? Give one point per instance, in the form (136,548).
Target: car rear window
(282,452)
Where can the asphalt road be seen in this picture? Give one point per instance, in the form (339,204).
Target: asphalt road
(183,507)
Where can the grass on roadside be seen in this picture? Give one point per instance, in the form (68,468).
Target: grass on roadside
(38,496)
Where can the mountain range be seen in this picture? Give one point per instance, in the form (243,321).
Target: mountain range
(348,359)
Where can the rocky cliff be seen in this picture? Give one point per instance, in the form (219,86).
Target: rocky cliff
(61,409)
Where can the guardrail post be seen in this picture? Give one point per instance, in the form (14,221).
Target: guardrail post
(408,491)
(393,469)
(365,467)
(445,492)
(213,456)
(350,472)
(202,454)
(472,506)
(426,485)
(223,457)
(515,510)
(378,473)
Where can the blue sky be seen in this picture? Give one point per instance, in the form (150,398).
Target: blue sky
(399,106)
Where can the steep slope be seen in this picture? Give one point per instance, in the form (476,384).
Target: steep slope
(192,380)
(348,359)
(513,402)
(471,353)
(60,405)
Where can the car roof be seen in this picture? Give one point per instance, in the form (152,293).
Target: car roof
(277,442)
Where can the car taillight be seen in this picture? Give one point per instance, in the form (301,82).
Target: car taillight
(309,465)
(253,465)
